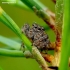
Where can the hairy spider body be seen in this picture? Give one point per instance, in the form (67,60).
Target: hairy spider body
(37,35)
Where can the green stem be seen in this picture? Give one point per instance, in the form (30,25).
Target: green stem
(32,3)
(38,5)
(65,49)
(13,26)
(39,58)
(14,53)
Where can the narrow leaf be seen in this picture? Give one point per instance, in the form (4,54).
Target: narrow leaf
(65,49)
(12,53)
(11,43)
(13,26)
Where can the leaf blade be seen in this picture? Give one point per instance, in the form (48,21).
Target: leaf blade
(9,42)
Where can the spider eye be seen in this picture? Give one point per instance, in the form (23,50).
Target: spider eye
(43,28)
(39,28)
(35,27)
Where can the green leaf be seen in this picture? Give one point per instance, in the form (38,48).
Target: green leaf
(14,27)
(11,43)
(65,49)
(12,53)
(15,53)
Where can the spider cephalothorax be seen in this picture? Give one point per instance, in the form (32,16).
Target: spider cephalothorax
(37,35)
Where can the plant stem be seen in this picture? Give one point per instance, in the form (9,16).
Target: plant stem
(65,49)
(59,22)
(39,58)
(14,53)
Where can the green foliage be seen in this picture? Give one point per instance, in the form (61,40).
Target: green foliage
(65,49)
(12,53)
(11,43)
(13,26)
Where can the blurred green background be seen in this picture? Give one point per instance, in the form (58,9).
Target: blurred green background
(21,16)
